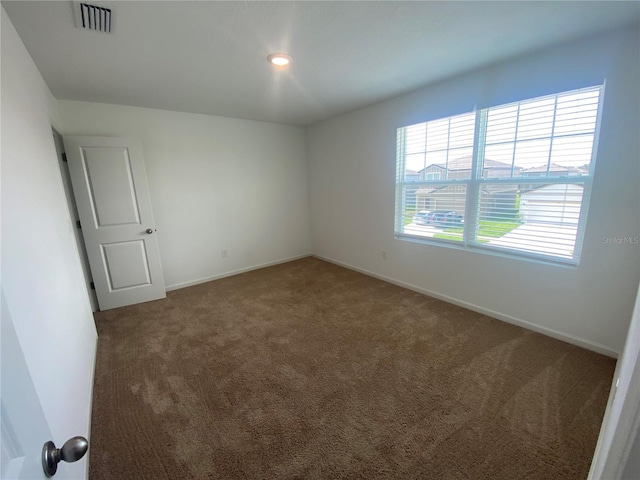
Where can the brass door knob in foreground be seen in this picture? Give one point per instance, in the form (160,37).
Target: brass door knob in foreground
(149,231)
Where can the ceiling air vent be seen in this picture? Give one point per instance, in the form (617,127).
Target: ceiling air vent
(94,17)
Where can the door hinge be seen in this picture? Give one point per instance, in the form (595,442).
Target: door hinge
(92,285)
(64,157)
(78,224)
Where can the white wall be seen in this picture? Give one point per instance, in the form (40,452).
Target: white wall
(352,172)
(216,184)
(41,274)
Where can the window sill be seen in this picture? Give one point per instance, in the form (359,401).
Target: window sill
(549,260)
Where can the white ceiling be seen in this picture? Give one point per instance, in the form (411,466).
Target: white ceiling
(210,57)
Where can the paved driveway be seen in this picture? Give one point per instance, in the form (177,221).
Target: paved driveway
(422,230)
(545,238)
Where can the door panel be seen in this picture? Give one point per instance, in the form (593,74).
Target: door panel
(109,181)
(127,264)
(111,191)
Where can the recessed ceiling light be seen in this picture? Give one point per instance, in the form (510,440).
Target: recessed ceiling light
(279,59)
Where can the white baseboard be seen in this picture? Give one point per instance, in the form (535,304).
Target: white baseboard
(191,283)
(581,342)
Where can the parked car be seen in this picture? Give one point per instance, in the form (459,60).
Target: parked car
(443,218)
(451,220)
(438,218)
(420,218)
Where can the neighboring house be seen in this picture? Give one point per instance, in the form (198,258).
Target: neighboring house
(557,204)
(496,200)
(461,168)
(448,197)
(410,190)
(555,170)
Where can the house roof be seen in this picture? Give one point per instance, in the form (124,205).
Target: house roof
(464,163)
(554,167)
(487,188)
(544,189)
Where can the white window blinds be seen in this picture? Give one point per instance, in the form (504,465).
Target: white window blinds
(513,177)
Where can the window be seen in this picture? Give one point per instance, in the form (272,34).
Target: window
(513,178)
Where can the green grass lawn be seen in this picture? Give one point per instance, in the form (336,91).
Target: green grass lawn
(487,230)
(449,236)
(493,229)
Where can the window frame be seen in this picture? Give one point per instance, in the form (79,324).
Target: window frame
(469,241)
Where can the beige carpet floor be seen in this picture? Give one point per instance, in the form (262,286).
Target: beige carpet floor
(307,370)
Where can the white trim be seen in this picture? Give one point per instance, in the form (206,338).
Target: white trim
(490,250)
(191,283)
(580,342)
(93,379)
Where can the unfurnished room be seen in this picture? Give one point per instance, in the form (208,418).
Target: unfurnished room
(320,240)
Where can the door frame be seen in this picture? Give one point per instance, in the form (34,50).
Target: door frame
(75,218)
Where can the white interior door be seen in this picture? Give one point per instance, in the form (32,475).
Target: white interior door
(24,426)
(112,195)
